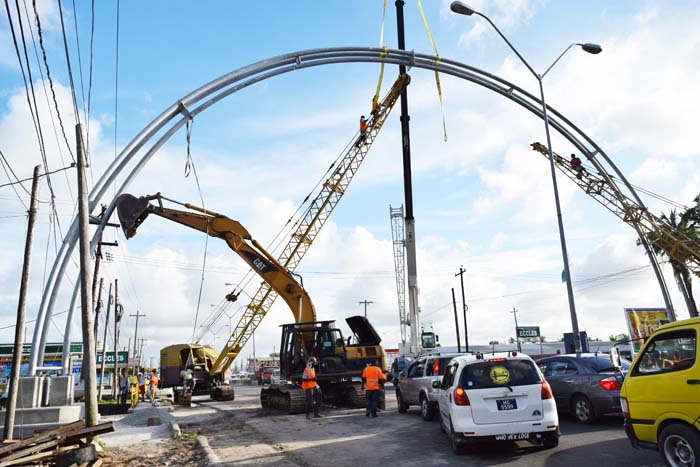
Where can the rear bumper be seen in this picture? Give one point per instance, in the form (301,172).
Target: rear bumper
(607,403)
(471,431)
(536,437)
(634,441)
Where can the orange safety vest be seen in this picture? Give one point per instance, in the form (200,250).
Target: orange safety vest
(363,126)
(154,380)
(372,374)
(309,379)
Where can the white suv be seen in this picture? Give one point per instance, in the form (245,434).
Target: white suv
(496,397)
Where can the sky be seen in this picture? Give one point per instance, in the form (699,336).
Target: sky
(482,199)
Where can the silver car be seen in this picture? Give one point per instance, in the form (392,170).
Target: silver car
(415,385)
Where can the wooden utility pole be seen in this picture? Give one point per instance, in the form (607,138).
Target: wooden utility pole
(141,351)
(19,326)
(86,310)
(117,317)
(365,303)
(515,316)
(104,341)
(454,304)
(98,308)
(464,307)
(136,330)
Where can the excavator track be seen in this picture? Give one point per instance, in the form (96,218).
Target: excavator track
(287,398)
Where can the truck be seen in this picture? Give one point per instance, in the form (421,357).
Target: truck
(198,358)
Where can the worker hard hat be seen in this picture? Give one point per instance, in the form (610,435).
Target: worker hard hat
(362,116)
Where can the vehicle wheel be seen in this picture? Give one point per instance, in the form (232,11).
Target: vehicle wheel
(427,409)
(403,407)
(583,410)
(679,446)
(550,441)
(456,445)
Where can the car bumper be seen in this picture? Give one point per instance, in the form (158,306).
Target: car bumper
(470,431)
(536,437)
(607,403)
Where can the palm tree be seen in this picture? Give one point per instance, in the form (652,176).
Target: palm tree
(687,223)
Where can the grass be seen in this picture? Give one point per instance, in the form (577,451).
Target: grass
(188,434)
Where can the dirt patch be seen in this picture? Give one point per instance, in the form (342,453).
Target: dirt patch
(171,452)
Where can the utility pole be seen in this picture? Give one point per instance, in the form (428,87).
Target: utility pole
(117,318)
(141,351)
(98,308)
(86,310)
(136,331)
(464,307)
(454,304)
(411,267)
(365,303)
(104,341)
(515,316)
(19,326)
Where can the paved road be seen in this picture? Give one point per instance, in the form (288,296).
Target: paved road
(347,437)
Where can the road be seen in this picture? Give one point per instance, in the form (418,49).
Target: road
(241,433)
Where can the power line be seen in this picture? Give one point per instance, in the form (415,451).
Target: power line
(68,63)
(41,175)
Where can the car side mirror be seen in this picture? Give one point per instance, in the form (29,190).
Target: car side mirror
(615,357)
(402,374)
(437,384)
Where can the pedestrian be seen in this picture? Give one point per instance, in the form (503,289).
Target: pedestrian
(123,386)
(311,389)
(373,380)
(142,385)
(154,385)
(363,131)
(577,166)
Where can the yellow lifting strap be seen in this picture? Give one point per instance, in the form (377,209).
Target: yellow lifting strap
(437,63)
(375,99)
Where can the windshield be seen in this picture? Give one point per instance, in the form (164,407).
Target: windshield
(498,373)
(602,364)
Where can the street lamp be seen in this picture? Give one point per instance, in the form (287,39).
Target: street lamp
(462,9)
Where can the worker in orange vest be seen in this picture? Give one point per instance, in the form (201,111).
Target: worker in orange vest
(311,389)
(363,131)
(373,380)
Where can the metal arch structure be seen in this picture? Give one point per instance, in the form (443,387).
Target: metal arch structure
(137,153)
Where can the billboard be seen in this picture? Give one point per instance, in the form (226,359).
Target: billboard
(641,322)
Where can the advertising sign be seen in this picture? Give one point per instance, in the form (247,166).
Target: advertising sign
(109,358)
(525,332)
(641,322)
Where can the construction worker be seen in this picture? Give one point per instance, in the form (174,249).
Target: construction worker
(373,380)
(311,389)
(577,166)
(153,386)
(363,131)
(187,379)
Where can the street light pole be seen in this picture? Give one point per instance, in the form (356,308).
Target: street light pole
(462,9)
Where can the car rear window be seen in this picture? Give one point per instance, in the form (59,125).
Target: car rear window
(437,366)
(601,364)
(499,373)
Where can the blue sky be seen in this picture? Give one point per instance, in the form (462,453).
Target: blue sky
(483,199)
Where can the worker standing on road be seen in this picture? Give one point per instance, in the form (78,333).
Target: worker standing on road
(154,385)
(142,385)
(311,389)
(373,380)
(123,386)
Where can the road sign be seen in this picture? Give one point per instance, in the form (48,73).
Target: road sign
(109,358)
(525,332)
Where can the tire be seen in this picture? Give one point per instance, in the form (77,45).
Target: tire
(679,446)
(583,410)
(78,456)
(402,406)
(550,441)
(457,446)
(427,409)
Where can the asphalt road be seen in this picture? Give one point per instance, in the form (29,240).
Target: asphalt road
(347,437)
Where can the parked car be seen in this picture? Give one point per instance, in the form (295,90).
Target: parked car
(496,397)
(399,364)
(587,386)
(415,385)
(661,397)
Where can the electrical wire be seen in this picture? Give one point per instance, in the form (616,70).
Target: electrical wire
(40,175)
(80,63)
(68,63)
(5,167)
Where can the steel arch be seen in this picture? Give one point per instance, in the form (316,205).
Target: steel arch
(163,127)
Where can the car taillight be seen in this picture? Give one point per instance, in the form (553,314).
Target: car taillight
(460,396)
(496,360)
(625,407)
(546,391)
(609,384)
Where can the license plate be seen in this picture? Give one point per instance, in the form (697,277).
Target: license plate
(512,437)
(506,404)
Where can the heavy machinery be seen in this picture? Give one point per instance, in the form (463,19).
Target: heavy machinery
(340,362)
(199,358)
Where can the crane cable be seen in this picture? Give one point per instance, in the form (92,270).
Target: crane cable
(437,63)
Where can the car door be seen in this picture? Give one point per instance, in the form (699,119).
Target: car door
(562,375)
(445,393)
(413,380)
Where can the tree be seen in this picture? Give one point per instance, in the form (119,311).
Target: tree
(618,337)
(687,223)
(511,340)
(542,339)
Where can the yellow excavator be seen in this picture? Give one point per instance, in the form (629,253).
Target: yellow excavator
(341,362)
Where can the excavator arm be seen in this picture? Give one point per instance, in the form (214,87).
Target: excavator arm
(133,211)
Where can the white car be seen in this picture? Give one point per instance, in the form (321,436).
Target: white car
(496,397)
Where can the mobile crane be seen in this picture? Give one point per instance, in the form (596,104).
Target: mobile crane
(340,363)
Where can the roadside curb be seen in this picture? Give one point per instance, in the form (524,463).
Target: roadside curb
(176,429)
(212,459)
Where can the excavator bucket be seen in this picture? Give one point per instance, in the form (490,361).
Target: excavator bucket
(132,212)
